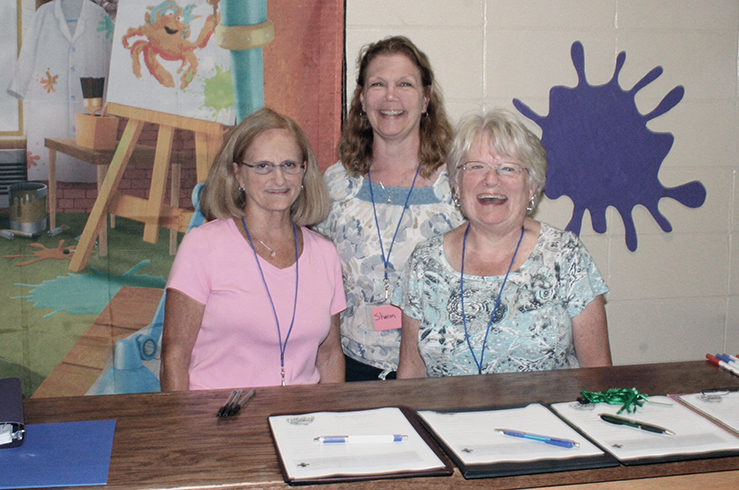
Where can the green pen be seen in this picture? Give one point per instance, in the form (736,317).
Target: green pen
(615,419)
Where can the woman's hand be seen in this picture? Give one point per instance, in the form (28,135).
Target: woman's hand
(330,357)
(590,335)
(182,319)
(411,363)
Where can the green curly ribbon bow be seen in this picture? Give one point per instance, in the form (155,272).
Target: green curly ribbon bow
(630,398)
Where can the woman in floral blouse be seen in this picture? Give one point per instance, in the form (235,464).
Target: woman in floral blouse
(502,292)
(389,191)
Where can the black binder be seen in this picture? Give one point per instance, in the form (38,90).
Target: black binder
(516,468)
(445,467)
(12,427)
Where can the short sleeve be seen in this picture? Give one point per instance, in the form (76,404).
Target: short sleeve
(189,272)
(341,187)
(338,303)
(582,282)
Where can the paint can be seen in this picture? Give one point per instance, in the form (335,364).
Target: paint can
(28,207)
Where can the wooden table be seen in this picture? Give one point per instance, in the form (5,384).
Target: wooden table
(174,440)
(101,159)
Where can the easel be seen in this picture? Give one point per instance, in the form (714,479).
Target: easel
(152,211)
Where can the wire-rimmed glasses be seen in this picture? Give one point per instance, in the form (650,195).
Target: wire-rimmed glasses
(508,170)
(288,167)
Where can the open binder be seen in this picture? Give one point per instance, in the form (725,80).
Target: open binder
(695,436)
(480,451)
(720,407)
(305,459)
(12,427)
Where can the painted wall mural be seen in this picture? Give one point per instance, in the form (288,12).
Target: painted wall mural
(61,328)
(165,58)
(601,153)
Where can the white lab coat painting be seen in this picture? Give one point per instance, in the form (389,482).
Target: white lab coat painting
(67,39)
(166,58)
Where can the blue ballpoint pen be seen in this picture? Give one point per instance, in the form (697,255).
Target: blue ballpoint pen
(725,358)
(554,441)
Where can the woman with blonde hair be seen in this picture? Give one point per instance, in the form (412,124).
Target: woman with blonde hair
(254,296)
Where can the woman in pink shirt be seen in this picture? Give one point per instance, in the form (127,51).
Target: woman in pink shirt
(253,297)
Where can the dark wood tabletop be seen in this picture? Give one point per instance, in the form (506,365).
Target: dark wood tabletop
(174,440)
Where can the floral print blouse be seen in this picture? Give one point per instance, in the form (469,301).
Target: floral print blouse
(351,225)
(532,328)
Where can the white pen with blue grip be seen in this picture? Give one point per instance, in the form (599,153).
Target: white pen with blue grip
(362,439)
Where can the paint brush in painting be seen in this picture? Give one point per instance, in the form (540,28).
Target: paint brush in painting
(92,93)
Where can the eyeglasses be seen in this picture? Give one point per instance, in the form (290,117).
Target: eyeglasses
(480,169)
(263,168)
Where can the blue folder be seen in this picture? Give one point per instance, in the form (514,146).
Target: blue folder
(59,455)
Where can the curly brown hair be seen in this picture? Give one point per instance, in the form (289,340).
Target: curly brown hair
(355,145)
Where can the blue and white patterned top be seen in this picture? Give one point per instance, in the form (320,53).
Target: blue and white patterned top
(532,329)
(351,225)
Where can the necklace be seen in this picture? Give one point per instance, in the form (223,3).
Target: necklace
(386,260)
(497,300)
(269,296)
(389,198)
(272,253)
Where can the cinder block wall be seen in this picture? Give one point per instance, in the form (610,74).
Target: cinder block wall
(677,296)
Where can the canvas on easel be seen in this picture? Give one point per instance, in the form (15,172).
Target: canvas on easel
(165,58)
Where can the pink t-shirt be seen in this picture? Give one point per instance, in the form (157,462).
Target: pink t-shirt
(237,345)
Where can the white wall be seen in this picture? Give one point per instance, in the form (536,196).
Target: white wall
(677,296)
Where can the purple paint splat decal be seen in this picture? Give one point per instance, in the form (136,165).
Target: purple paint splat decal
(601,153)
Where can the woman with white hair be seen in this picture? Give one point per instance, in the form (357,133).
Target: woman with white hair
(502,292)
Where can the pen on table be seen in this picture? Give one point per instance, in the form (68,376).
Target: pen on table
(230,406)
(554,441)
(369,439)
(715,360)
(733,358)
(225,407)
(239,405)
(615,419)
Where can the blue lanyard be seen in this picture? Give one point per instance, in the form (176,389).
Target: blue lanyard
(386,260)
(495,308)
(274,311)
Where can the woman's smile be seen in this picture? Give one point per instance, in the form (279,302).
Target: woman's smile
(491,199)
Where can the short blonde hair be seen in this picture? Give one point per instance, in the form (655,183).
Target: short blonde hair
(223,199)
(509,137)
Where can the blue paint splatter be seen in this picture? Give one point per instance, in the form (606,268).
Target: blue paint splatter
(81,294)
(601,153)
